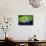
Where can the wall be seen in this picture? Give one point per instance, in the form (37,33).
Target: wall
(13,8)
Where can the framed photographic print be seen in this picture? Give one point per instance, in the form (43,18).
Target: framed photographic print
(25,19)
